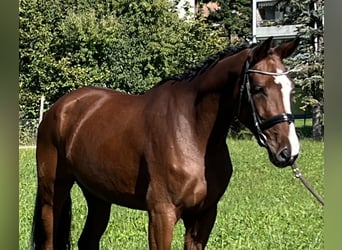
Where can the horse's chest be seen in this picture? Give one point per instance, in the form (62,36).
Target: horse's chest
(186,186)
(205,188)
(192,191)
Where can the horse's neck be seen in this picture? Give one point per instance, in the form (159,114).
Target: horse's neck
(223,74)
(218,96)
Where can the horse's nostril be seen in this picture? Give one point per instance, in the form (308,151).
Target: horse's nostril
(284,155)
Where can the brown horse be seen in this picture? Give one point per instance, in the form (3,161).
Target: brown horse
(164,151)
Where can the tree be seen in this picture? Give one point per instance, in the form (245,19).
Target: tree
(236,18)
(309,62)
(128,46)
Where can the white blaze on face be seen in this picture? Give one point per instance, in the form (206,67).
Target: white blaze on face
(286,87)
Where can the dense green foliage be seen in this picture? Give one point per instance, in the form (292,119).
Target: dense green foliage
(131,46)
(125,45)
(263,208)
(235,16)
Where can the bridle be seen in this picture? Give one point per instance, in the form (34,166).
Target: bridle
(270,122)
(261,125)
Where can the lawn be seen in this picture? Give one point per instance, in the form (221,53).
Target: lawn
(263,208)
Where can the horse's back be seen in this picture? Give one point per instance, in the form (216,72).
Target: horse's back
(98,135)
(77,108)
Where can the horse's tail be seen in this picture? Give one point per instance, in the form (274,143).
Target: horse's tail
(37,232)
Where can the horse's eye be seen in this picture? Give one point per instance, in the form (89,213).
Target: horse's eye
(258,90)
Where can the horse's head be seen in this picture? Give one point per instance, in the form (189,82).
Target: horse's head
(265,101)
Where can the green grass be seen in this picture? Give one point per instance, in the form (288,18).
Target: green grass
(303,123)
(263,208)
(304,128)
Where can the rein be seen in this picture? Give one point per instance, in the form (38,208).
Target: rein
(299,175)
(258,123)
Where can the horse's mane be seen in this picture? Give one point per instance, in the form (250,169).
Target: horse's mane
(208,63)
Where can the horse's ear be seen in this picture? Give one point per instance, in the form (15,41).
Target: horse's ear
(286,49)
(261,51)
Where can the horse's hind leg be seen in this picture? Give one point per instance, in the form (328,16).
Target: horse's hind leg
(198,229)
(63,217)
(96,223)
(51,227)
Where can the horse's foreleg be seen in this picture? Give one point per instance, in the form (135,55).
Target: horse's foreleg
(96,223)
(162,219)
(198,229)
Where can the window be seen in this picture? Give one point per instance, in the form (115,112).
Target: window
(267,13)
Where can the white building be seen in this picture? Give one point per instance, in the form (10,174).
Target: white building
(264,13)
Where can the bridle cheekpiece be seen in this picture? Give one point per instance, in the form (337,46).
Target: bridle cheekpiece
(260,125)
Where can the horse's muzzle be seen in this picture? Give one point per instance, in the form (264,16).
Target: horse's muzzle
(283,158)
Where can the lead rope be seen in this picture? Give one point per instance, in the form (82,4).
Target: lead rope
(299,175)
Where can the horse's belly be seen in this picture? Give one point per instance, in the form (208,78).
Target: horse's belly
(113,190)
(111,179)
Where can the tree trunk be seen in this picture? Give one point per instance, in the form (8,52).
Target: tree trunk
(317,128)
